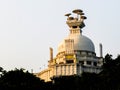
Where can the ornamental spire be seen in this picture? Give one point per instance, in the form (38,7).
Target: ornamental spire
(76,23)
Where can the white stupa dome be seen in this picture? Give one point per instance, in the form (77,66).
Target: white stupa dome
(81,43)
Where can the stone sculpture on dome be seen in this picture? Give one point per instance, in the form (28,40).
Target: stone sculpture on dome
(79,20)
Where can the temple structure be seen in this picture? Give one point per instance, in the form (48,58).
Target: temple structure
(76,53)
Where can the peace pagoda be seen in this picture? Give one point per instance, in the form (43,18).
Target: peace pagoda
(76,53)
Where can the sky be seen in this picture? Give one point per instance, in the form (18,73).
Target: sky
(29,27)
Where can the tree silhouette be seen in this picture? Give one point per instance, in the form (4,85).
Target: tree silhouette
(110,74)
(20,79)
(2,71)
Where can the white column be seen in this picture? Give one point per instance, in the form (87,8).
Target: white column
(64,69)
(61,70)
(80,67)
(75,69)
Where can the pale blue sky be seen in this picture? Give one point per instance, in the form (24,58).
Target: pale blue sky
(29,27)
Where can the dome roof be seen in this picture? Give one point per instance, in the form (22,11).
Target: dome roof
(81,43)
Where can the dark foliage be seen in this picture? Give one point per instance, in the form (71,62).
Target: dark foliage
(19,79)
(110,75)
